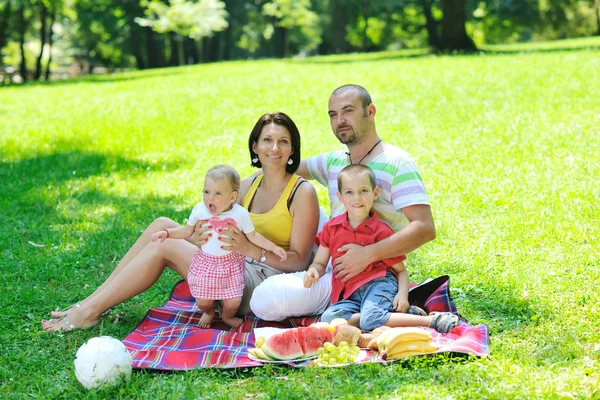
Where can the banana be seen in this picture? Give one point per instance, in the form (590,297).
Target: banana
(420,346)
(258,353)
(403,354)
(392,336)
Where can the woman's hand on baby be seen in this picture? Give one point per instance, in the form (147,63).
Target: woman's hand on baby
(234,240)
(201,234)
(310,277)
(159,236)
(400,303)
(280,252)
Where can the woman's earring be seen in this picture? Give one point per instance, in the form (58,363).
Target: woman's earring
(255,160)
(290,161)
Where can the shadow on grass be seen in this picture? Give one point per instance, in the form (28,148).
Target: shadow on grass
(498,304)
(20,176)
(114,77)
(492,52)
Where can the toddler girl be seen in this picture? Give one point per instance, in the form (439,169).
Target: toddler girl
(215,273)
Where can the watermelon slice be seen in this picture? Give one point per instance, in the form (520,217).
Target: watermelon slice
(313,337)
(296,342)
(283,346)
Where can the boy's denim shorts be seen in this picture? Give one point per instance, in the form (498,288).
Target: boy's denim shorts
(373,301)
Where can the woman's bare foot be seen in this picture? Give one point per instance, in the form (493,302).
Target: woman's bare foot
(74,318)
(58,313)
(206,320)
(233,321)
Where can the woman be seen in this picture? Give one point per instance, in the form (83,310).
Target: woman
(283,208)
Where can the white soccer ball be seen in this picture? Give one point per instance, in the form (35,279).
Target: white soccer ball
(102,360)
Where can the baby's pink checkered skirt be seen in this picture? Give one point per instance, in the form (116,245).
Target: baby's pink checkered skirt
(217,277)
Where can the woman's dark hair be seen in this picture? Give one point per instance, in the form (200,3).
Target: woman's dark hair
(281,119)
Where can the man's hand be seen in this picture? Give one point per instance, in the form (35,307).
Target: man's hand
(355,260)
(400,303)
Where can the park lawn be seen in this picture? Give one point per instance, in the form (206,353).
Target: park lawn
(508,145)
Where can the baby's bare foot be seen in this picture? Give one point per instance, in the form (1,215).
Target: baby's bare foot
(233,321)
(206,320)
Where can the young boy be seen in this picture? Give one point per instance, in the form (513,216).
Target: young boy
(369,299)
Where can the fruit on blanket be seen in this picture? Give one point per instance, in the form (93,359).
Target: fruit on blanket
(376,333)
(311,338)
(259,341)
(392,336)
(404,354)
(293,343)
(364,340)
(337,322)
(346,333)
(402,349)
(283,346)
(258,353)
(321,324)
(330,355)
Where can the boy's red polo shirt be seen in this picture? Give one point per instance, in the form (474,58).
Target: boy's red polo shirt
(338,232)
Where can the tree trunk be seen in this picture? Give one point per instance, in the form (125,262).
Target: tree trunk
(50,41)
(597,12)
(4,25)
(339,20)
(43,20)
(173,45)
(136,48)
(366,14)
(431,24)
(155,57)
(180,50)
(454,34)
(22,30)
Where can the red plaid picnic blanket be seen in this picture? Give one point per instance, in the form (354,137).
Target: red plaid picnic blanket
(168,338)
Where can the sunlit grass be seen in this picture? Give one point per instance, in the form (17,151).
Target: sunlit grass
(507,144)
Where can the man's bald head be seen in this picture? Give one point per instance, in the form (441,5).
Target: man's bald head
(364,96)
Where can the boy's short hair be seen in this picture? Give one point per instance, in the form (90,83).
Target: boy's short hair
(356,170)
(225,172)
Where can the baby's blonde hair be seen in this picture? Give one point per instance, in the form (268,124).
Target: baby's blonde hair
(225,172)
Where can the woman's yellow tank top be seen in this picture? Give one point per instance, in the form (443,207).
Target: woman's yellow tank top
(275,225)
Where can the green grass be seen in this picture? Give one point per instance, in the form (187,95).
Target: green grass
(508,146)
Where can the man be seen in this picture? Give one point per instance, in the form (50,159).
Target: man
(402,204)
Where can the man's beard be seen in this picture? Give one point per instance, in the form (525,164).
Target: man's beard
(348,137)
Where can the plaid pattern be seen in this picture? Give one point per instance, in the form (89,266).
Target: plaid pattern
(217,277)
(168,338)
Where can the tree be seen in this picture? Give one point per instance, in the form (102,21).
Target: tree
(22,30)
(4,23)
(453,31)
(186,19)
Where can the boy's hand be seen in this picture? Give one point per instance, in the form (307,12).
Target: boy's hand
(160,236)
(400,303)
(311,276)
(280,252)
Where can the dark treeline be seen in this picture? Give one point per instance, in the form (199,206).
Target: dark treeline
(38,36)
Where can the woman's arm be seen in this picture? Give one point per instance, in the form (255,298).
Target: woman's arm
(305,212)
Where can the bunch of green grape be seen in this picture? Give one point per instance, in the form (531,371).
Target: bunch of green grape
(330,354)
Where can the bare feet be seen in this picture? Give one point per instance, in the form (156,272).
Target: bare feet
(233,321)
(74,318)
(206,319)
(57,314)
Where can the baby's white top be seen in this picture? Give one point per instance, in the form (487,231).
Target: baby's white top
(237,216)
